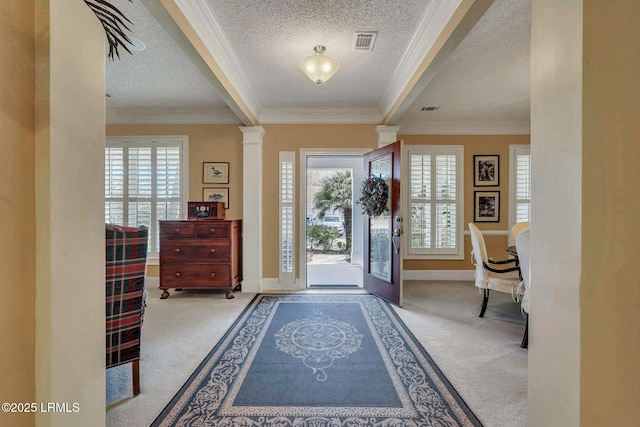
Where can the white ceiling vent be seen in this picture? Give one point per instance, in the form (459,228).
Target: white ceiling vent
(363,40)
(429,108)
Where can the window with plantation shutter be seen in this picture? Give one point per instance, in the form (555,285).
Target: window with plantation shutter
(287,237)
(433,226)
(519,184)
(145,181)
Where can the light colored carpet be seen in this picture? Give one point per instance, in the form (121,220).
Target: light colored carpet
(482,358)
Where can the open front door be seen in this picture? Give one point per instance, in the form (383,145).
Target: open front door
(382,258)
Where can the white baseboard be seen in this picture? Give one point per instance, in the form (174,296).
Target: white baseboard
(438,274)
(251,286)
(270,285)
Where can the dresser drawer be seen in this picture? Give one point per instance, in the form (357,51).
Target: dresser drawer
(192,251)
(170,230)
(212,229)
(195,275)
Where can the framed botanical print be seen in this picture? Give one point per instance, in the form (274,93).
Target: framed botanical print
(216,195)
(215,172)
(486,171)
(486,206)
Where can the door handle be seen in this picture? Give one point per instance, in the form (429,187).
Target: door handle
(397,232)
(396,235)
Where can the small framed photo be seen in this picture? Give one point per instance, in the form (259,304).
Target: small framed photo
(486,207)
(486,171)
(215,172)
(216,195)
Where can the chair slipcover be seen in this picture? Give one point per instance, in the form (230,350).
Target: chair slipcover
(523,248)
(126,256)
(502,282)
(519,228)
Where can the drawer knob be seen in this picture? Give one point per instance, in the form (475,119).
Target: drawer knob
(213,275)
(178,274)
(212,230)
(177,230)
(177,250)
(213,250)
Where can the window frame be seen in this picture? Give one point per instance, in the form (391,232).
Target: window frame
(514,151)
(456,253)
(181,141)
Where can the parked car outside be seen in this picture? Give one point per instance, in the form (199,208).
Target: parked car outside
(333,221)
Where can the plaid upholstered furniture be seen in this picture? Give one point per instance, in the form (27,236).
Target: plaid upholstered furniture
(126,259)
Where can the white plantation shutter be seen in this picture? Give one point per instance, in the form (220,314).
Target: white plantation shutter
(286,198)
(145,181)
(520,184)
(435,202)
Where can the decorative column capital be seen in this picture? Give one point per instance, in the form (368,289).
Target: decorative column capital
(252,134)
(387,135)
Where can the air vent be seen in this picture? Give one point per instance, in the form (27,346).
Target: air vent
(364,40)
(429,108)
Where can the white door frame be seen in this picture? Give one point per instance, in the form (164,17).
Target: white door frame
(302,211)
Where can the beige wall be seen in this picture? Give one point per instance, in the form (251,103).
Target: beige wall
(224,143)
(17,207)
(474,145)
(207,143)
(610,285)
(292,138)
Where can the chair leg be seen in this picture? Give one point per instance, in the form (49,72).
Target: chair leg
(525,338)
(135,373)
(485,300)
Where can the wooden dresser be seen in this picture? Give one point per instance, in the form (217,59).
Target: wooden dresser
(200,254)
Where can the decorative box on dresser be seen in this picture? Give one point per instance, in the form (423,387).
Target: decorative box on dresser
(200,254)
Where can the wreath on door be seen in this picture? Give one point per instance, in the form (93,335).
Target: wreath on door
(374,196)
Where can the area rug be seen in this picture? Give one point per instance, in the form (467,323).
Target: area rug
(314,360)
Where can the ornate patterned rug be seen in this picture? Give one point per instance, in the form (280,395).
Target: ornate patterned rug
(310,360)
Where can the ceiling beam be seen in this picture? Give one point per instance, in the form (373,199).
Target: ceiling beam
(173,20)
(465,16)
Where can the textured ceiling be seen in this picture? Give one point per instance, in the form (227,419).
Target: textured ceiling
(161,78)
(270,37)
(485,82)
(481,87)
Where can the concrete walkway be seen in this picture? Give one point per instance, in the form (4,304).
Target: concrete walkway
(330,269)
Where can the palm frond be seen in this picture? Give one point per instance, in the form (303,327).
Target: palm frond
(113,22)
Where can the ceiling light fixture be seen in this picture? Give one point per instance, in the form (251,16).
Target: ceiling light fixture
(319,67)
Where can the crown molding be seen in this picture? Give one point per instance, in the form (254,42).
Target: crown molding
(485,127)
(205,23)
(320,115)
(433,22)
(141,116)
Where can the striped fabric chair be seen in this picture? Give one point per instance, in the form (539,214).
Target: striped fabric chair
(126,259)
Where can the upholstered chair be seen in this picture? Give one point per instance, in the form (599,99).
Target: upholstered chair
(492,275)
(519,228)
(523,248)
(126,257)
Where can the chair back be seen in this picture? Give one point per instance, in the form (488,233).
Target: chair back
(519,228)
(478,256)
(478,245)
(524,251)
(126,256)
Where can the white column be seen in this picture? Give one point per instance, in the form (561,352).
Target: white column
(556,241)
(387,135)
(252,208)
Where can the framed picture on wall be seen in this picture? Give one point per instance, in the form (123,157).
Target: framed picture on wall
(215,172)
(486,171)
(216,195)
(486,206)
